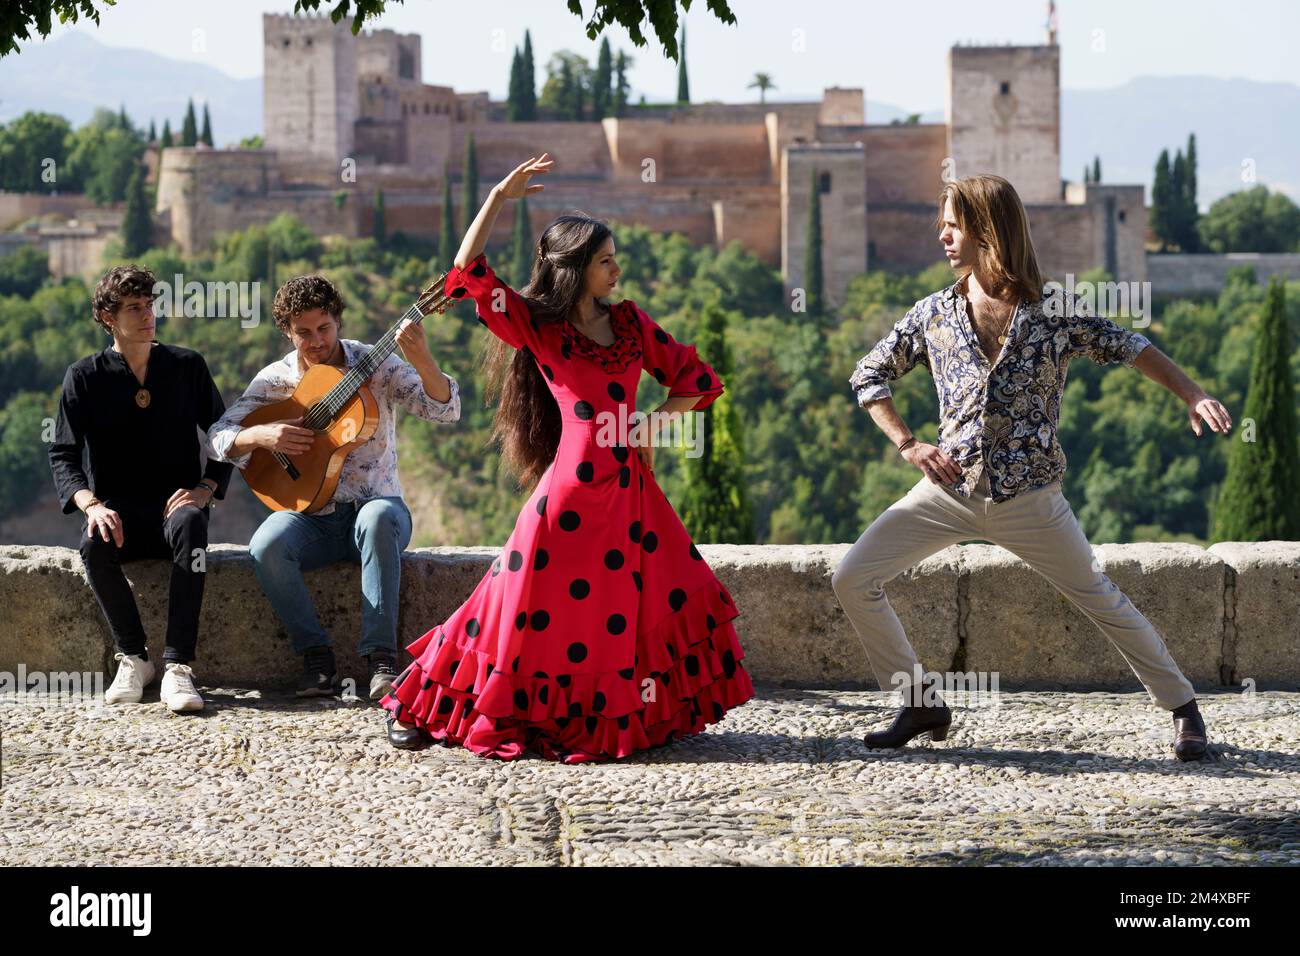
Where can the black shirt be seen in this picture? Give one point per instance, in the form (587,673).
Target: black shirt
(136,454)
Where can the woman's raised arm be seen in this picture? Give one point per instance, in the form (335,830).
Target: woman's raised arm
(514,186)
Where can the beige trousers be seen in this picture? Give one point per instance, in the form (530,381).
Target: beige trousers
(1037,526)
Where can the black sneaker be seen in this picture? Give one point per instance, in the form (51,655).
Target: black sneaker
(319,677)
(383,669)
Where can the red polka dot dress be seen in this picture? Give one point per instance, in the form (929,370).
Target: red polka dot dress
(599,630)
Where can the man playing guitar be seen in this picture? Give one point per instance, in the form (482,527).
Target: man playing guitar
(366,521)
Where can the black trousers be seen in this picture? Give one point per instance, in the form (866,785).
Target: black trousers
(145,535)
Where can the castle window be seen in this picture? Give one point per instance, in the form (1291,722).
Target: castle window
(1123,216)
(871,252)
(426,109)
(1005,88)
(285,43)
(405,64)
(307,41)
(824,183)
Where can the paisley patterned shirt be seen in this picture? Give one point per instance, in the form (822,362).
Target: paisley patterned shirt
(370,470)
(1000,417)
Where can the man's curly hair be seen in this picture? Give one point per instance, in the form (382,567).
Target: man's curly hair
(118,283)
(303,293)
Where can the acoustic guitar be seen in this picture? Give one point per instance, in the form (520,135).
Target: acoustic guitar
(336,404)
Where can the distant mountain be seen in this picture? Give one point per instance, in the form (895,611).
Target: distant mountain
(74,73)
(1234,120)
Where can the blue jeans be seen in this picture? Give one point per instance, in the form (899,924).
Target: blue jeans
(371,532)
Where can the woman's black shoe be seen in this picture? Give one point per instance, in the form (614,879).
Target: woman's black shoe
(401,737)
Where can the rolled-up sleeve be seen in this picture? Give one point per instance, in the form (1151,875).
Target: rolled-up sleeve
(1099,338)
(262,390)
(405,387)
(889,359)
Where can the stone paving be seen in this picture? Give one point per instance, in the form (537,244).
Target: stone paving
(1042,779)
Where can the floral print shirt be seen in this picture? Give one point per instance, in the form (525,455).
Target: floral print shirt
(370,469)
(1000,417)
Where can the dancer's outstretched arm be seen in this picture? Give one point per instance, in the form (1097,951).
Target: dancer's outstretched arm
(514,186)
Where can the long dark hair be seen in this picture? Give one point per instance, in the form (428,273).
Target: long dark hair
(527,422)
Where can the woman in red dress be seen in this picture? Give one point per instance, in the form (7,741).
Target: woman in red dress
(599,630)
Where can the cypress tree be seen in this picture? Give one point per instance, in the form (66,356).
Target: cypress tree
(137,225)
(153,132)
(600,91)
(716,506)
(469,185)
(166,135)
(515,95)
(812,263)
(206,136)
(1178,201)
(1096,169)
(529,81)
(521,246)
(189,129)
(447,247)
(1160,197)
(1260,497)
(620,84)
(1192,214)
(683,85)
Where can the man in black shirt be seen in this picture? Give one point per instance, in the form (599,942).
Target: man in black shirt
(139,407)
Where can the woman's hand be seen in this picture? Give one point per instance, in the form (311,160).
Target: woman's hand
(933,461)
(516,185)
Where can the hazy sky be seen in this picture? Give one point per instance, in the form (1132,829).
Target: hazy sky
(895,50)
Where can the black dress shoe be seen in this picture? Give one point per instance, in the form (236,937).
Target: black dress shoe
(1190,741)
(401,737)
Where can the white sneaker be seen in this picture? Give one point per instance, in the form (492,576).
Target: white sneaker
(178,691)
(133,673)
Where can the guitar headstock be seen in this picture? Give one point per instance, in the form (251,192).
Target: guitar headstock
(432,299)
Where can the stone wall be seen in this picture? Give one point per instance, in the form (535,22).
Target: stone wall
(1173,274)
(1229,613)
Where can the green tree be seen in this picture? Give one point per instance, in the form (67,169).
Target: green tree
(601,93)
(716,507)
(447,241)
(683,84)
(1096,169)
(166,140)
(621,64)
(528,86)
(189,128)
(515,93)
(1252,220)
(1161,223)
(763,81)
(23,271)
(34,154)
(206,136)
(469,185)
(137,224)
(812,262)
(103,157)
(520,261)
(1260,497)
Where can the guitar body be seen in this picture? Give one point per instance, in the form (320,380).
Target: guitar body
(320,467)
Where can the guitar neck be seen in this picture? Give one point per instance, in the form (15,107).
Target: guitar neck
(346,389)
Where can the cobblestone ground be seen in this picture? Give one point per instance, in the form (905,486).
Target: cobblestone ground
(1042,779)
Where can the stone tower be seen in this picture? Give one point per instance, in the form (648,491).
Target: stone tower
(309,88)
(1004,116)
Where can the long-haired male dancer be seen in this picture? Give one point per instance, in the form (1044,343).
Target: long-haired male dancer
(997,343)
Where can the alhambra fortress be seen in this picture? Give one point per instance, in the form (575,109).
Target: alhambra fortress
(335,103)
